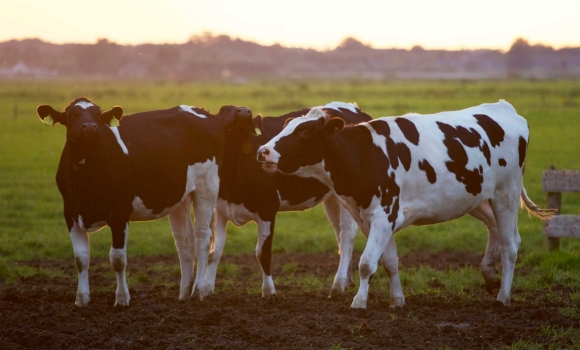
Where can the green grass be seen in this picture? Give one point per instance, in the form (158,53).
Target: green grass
(32,227)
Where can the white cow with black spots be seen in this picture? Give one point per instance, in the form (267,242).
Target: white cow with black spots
(416,170)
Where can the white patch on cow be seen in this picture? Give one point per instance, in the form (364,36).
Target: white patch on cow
(378,140)
(189,109)
(119,140)
(80,243)
(94,227)
(84,104)
(204,170)
(118,259)
(336,105)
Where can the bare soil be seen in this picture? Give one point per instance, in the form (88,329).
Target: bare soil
(38,312)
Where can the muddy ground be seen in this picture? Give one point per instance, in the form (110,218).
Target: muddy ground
(38,311)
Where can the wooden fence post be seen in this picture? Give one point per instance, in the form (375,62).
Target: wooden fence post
(554,202)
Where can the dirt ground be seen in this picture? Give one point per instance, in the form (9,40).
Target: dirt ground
(38,312)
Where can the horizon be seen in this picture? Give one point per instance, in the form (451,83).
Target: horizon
(447,25)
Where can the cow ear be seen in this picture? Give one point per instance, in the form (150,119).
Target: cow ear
(333,125)
(49,116)
(257,123)
(116,113)
(287,121)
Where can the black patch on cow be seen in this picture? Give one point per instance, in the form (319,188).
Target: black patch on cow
(522,148)
(486,152)
(409,130)
(472,179)
(396,151)
(501,162)
(362,170)
(429,171)
(494,131)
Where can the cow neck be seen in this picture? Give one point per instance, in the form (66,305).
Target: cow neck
(238,156)
(341,159)
(79,162)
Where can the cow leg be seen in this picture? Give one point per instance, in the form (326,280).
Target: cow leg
(203,205)
(484,213)
(264,255)
(216,253)
(390,262)
(505,208)
(345,230)
(118,259)
(81,248)
(379,236)
(182,229)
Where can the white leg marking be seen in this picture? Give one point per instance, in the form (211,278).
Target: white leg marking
(345,230)
(268,288)
(379,236)
(204,202)
(505,208)
(118,259)
(390,262)
(182,229)
(81,247)
(484,213)
(216,253)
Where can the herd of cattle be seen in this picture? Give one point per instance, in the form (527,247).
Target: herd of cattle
(379,175)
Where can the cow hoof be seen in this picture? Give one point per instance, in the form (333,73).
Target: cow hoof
(82,300)
(268,292)
(209,289)
(397,302)
(197,294)
(122,300)
(358,303)
(492,286)
(504,301)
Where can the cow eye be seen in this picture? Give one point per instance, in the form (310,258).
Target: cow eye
(304,133)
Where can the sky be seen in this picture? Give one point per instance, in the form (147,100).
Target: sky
(322,25)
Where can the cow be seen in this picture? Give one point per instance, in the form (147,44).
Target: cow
(152,165)
(416,170)
(249,194)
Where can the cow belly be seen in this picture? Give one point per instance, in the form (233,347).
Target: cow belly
(310,203)
(238,214)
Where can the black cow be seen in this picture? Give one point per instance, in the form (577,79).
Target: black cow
(154,164)
(248,194)
(417,170)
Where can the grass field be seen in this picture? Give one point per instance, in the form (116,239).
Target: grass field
(32,227)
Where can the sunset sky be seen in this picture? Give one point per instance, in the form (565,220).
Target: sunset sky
(441,24)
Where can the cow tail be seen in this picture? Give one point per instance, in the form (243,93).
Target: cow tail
(533,209)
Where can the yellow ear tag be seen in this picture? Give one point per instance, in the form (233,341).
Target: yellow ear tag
(48,121)
(257,131)
(114,122)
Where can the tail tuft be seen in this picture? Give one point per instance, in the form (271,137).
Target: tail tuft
(533,209)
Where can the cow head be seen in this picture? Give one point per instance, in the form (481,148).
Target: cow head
(239,120)
(81,117)
(300,143)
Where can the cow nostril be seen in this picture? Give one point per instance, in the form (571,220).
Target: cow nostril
(265,151)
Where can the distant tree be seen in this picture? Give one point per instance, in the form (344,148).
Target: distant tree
(519,57)
(351,43)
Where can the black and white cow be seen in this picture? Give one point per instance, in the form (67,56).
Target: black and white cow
(416,170)
(154,164)
(247,193)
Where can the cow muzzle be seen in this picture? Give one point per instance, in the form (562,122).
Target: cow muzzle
(264,157)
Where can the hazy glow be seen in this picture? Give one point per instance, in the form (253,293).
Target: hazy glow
(450,24)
